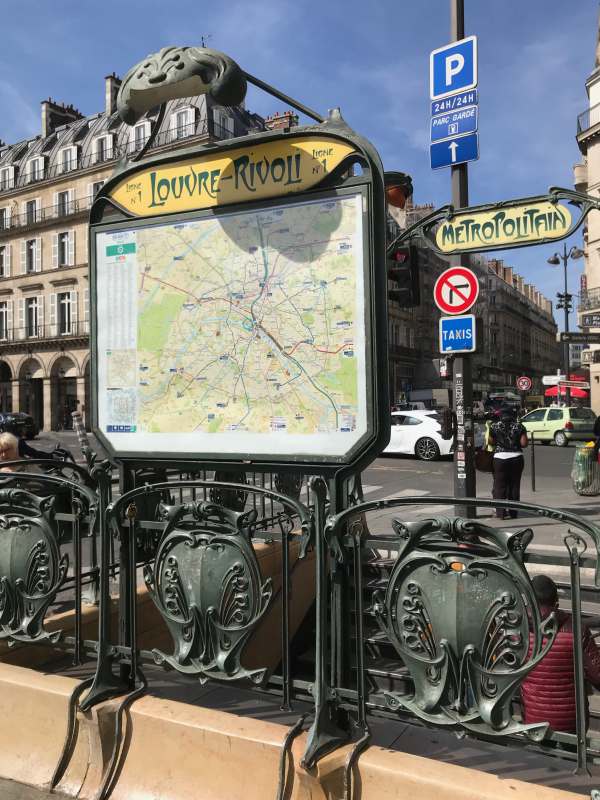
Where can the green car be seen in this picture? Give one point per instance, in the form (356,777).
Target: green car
(560,425)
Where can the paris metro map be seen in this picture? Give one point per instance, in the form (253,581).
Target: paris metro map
(235,332)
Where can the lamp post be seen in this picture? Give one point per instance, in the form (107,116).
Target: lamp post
(564,301)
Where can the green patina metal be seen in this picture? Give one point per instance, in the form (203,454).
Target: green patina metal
(425,229)
(460,610)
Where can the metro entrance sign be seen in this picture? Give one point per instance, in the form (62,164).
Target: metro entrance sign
(456,290)
(167,382)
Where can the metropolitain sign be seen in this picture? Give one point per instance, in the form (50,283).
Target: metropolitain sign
(527,223)
(544,219)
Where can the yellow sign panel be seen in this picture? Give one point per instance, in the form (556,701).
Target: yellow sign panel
(253,172)
(525,223)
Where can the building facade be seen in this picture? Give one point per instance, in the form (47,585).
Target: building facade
(516,332)
(587,179)
(47,185)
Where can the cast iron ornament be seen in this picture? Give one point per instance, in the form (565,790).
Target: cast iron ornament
(31,565)
(176,72)
(461,612)
(206,583)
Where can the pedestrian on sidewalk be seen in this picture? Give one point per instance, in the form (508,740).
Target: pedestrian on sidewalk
(508,437)
(548,692)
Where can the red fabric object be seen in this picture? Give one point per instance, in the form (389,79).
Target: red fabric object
(548,692)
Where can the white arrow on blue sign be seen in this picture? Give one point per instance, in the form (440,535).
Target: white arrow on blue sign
(454,151)
(456,123)
(453,68)
(457,334)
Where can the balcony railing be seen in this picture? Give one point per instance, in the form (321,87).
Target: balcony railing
(49,331)
(168,136)
(589,118)
(589,300)
(46,214)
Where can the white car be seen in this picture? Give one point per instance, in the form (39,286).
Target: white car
(418,433)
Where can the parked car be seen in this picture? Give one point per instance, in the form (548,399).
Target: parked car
(560,424)
(18,422)
(418,433)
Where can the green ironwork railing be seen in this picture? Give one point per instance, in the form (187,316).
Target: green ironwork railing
(433,622)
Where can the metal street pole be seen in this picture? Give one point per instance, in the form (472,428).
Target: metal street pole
(566,353)
(464,452)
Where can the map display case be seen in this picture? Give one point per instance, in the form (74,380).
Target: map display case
(239,303)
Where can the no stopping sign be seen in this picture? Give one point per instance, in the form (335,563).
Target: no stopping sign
(456,290)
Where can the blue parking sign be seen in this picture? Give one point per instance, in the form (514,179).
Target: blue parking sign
(453,68)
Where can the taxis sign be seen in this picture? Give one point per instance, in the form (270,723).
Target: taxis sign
(253,172)
(523,223)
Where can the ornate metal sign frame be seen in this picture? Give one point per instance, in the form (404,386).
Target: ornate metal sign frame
(425,228)
(362,158)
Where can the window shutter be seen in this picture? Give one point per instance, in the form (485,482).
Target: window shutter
(74,310)
(38,209)
(9,320)
(7,253)
(55,249)
(38,254)
(95,150)
(40,314)
(71,255)
(41,166)
(53,325)
(86,310)
(11,177)
(23,256)
(21,328)
(71,200)
(74,156)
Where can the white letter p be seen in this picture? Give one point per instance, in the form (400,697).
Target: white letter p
(454,64)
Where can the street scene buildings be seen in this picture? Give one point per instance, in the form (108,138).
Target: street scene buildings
(299,477)
(517,334)
(47,185)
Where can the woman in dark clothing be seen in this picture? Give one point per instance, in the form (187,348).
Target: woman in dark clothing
(508,438)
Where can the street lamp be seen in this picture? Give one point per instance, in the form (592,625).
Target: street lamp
(565,302)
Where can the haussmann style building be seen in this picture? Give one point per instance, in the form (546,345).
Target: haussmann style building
(47,184)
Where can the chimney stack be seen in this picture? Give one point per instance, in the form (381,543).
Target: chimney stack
(278,122)
(55,114)
(112,84)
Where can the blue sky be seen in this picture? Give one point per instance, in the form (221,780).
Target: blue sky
(371,60)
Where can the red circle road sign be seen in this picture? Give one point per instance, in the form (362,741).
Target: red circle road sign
(456,290)
(523,383)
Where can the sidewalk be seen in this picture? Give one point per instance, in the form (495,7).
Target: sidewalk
(17,791)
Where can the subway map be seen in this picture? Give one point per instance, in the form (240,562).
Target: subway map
(248,323)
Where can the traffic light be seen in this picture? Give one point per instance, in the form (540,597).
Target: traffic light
(403,271)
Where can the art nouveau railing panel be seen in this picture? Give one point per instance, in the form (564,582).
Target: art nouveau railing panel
(438,622)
